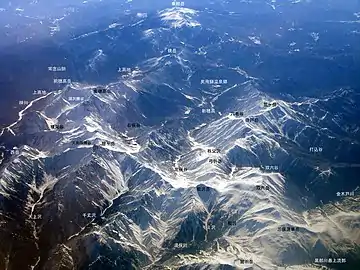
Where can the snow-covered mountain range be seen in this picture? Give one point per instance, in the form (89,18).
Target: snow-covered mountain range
(190,160)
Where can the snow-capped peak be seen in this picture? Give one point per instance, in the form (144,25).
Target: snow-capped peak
(179,17)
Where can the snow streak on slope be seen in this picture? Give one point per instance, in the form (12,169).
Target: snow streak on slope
(148,205)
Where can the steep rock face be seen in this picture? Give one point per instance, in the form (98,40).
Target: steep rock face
(144,205)
(191,230)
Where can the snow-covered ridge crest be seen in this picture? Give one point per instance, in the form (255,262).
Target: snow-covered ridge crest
(179,17)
